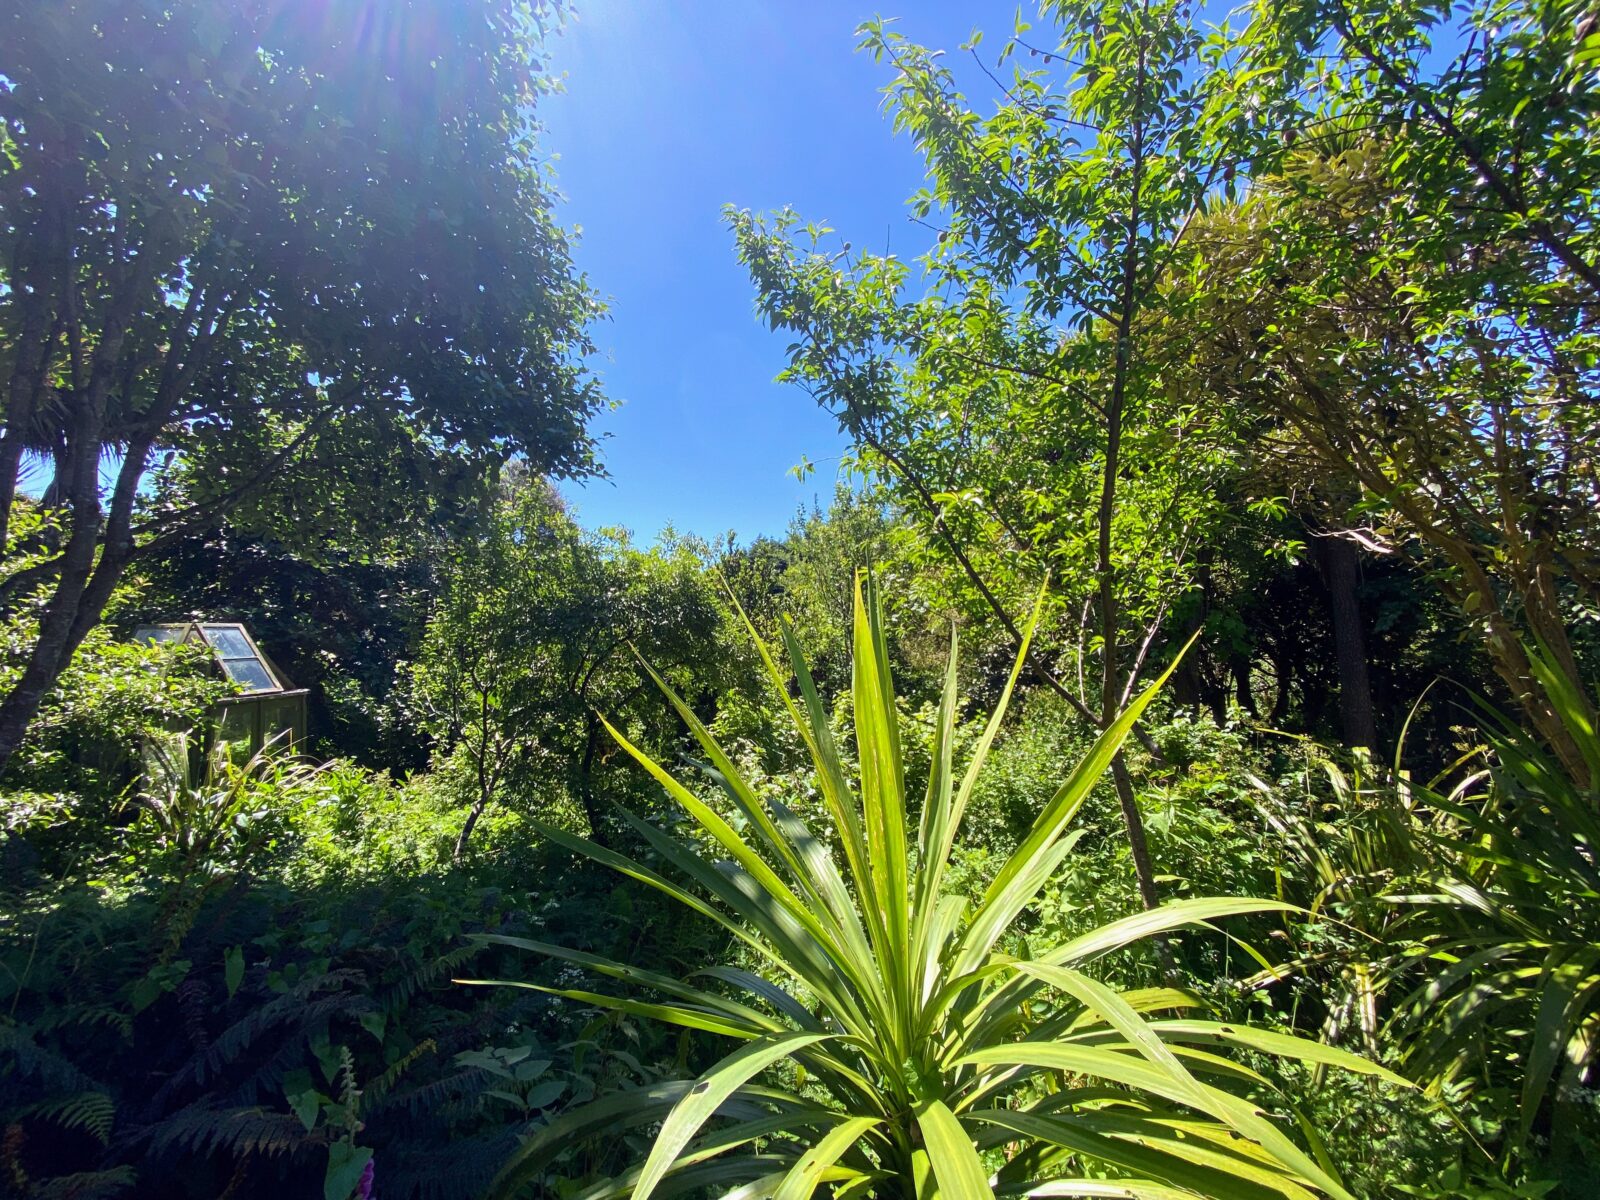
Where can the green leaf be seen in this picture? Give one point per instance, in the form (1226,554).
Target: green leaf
(346,1162)
(545,1094)
(707,1095)
(307,1105)
(956,1165)
(233,969)
(1280,1045)
(811,1168)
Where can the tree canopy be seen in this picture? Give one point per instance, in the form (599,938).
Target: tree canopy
(296,259)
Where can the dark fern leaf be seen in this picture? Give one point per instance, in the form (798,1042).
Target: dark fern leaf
(235,1131)
(460,1169)
(31,1061)
(85,1185)
(93,1113)
(294,1008)
(398,994)
(467,1083)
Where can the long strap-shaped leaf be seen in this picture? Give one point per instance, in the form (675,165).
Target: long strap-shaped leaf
(618,1187)
(1132,1071)
(1012,882)
(707,1095)
(957,1169)
(756,1021)
(725,836)
(624,865)
(812,726)
(818,879)
(1148,1147)
(883,802)
(1001,1004)
(1279,1045)
(1116,1189)
(688,1173)
(1570,984)
(837,794)
(813,1165)
(785,946)
(938,846)
(620,1110)
(799,954)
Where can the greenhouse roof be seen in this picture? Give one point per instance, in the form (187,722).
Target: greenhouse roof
(236,651)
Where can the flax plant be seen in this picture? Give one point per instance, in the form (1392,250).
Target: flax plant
(891,1046)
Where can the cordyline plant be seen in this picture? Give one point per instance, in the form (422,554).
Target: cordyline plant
(890,1047)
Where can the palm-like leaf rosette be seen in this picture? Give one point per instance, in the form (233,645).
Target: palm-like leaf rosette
(889,1046)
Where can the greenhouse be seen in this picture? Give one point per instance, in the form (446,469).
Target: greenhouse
(267,709)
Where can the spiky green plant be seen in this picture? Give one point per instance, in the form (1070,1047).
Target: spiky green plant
(908,1054)
(1505,997)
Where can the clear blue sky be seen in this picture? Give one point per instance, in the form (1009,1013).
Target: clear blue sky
(674,108)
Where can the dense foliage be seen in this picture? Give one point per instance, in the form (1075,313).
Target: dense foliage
(271,253)
(1256,359)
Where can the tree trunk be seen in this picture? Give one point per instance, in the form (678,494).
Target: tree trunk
(476,811)
(1283,692)
(1341,574)
(1111,678)
(586,796)
(53,647)
(1142,866)
(69,614)
(34,293)
(1240,667)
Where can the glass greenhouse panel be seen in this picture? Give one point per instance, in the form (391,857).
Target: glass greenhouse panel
(249,674)
(152,634)
(229,641)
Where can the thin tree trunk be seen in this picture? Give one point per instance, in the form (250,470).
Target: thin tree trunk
(1340,573)
(37,335)
(1240,668)
(1111,680)
(467,827)
(586,796)
(487,778)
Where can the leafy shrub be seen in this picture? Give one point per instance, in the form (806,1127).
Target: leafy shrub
(83,755)
(249,994)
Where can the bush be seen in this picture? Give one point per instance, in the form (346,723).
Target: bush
(249,994)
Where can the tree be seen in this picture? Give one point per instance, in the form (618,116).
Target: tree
(1410,294)
(1016,406)
(532,639)
(254,243)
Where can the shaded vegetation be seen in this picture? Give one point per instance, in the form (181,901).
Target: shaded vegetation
(1237,423)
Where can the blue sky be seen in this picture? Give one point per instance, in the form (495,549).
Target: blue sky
(674,108)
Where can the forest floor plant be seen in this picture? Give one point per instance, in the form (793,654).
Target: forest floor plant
(1505,1005)
(910,1056)
(1475,959)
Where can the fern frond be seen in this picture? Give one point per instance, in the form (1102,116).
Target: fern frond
(397,994)
(93,1113)
(377,1088)
(53,1071)
(234,1131)
(460,1169)
(467,1083)
(84,1016)
(85,1185)
(294,1008)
